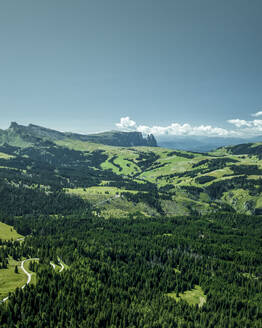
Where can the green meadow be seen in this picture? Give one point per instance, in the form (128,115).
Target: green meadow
(7,232)
(9,280)
(194,296)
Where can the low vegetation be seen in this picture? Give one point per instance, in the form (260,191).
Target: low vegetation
(194,296)
(8,232)
(9,279)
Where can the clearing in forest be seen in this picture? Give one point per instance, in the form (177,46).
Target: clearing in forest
(9,280)
(194,296)
(7,232)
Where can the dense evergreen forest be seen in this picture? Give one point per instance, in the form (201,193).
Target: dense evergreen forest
(121,271)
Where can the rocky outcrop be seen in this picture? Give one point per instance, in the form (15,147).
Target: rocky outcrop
(151,140)
(123,139)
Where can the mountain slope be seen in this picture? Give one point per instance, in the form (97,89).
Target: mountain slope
(24,136)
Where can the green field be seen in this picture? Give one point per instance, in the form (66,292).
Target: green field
(7,232)
(259,202)
(110,202)
(5,156)
(195,296)
(99,190)
(173,168)
(9,280)
(177,270)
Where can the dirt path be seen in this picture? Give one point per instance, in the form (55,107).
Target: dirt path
(29,275)
(62,265)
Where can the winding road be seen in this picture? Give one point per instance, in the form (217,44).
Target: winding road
(62,265)
(29,275)
(53,265)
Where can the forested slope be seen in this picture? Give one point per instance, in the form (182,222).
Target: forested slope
(123,271)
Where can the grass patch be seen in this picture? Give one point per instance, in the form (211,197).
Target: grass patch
(6,156)
(250,275)
(65,265)
(259,203)
(121,207)
(194,296)
(238,199)
(7,232)
(9,280)
(99,193)
(56,267)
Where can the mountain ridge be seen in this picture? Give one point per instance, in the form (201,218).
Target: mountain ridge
(24,136)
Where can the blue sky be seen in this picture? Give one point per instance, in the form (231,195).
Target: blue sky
(83,65)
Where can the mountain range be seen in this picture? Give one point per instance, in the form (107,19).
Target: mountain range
(20,135)
(24,136)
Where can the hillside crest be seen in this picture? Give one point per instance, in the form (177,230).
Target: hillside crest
(20,135)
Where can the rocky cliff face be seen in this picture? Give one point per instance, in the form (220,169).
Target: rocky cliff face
(151,140)
(24,136)
(122,139)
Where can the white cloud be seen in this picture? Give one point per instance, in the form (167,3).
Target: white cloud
(247,128)
(257,123)
(174,129)
(242,128)
(257,114)
(126,123)
(239,123)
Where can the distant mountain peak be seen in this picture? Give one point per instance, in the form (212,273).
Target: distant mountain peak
(13,125)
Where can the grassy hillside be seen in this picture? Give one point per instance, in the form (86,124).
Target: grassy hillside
(9,280)
(146,180)
(24,136)
(7,232)
(202,182)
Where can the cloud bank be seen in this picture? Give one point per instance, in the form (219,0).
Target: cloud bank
(257,114)
(248,128)
(241,128)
